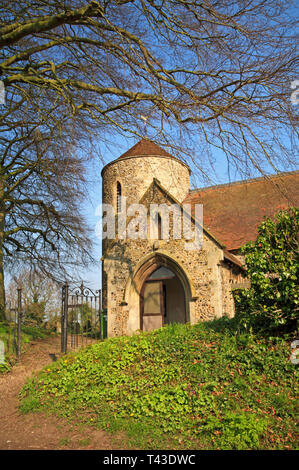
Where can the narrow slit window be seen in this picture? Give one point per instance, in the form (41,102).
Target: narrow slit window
(118,196)
(159,221)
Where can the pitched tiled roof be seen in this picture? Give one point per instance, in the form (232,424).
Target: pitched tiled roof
(232,212)
(145,148)
(227,256)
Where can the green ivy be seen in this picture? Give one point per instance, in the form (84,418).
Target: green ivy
(184,386)
(272,262)
(236,431)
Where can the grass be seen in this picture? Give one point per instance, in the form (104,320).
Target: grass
(63,442)
(8,335)
(181,387)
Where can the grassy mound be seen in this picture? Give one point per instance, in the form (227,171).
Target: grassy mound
(182,386)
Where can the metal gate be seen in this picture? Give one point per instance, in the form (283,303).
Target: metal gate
(82,319)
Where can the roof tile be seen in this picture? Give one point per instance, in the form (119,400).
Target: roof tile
(145,148)
(232,212)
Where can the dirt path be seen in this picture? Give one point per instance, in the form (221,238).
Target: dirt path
(36,430)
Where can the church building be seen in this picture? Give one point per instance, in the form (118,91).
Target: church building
(149,281)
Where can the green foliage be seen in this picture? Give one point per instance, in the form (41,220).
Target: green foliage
(5,367)
(271,304)
(32,333)
(178,387)
(35,313)
(30,404)
(237,431)
(8,335)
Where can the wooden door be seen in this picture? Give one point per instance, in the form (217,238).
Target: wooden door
(152,305)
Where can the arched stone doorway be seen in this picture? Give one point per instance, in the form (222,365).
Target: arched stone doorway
(174,287)
(162,300)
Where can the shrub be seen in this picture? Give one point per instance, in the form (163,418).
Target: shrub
(272,262)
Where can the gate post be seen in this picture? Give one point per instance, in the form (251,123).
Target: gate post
(64,317)
(19,317)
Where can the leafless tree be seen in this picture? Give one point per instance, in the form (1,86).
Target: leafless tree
(210,74)
(40,296)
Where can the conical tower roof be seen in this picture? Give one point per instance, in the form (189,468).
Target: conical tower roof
(145,147)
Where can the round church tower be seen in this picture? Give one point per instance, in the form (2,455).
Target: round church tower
(151,281)
(127,289)
(132,173)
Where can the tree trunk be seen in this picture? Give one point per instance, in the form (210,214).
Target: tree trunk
(2,289)
(2,220)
